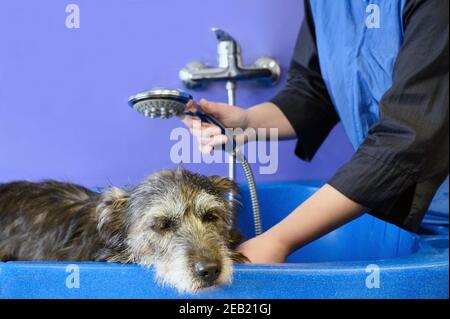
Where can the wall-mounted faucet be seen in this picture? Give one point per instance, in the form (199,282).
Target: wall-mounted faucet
(196,74)
(230,70)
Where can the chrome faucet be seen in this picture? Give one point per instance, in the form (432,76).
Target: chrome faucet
(196,74)
(230,70)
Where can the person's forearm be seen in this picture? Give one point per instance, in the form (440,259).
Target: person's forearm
(268,115)
(323,212)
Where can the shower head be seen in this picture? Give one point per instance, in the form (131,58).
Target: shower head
(165,103)
(160,103)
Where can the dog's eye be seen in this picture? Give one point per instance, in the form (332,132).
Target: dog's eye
(163,224)
(209,217)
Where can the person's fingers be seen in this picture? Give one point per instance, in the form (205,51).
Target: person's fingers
(212,140)
(205,149)
(210,130)
(217,140)
(188,121)
(217,110)
(204,105)
(194,123)
(205,130)
(204,140)
(207,135)
(190,106)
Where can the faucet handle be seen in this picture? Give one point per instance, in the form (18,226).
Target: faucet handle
(222,35)
(228,49)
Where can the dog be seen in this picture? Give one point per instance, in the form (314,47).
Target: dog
(179,222)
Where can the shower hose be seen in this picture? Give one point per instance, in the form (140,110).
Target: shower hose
(252,190)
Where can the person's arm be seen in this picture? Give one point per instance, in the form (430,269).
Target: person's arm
(268,115)
(403,160)
(265,115)
(323,212)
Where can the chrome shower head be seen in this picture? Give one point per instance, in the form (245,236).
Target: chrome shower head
(160,103)
(165,103)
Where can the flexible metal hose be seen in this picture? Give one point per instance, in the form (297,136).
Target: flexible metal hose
(231,90)
(252,189)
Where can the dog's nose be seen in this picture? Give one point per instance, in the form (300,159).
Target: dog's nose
(208,270)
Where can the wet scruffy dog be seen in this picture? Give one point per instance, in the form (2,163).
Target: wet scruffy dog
(177,221)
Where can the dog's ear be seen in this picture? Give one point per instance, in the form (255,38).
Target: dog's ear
(239,258)
(224,184)
(110,215)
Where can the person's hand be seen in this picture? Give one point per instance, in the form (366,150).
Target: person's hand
(326,210)
(209,135)
(264,249)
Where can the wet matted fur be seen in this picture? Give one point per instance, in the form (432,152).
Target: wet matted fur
(172,220)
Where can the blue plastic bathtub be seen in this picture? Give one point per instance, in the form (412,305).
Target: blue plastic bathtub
(364,259)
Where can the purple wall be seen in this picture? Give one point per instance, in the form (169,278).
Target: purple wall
(63,93)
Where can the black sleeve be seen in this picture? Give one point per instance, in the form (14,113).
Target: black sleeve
(304,100)
(404,159)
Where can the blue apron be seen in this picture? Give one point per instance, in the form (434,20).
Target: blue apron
(358,42)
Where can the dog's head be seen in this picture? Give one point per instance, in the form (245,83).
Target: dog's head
(181,223)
